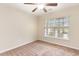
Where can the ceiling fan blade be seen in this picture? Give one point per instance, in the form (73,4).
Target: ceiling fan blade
(51,4)
(44,10)
(46,4)
(34,10)
(30,3)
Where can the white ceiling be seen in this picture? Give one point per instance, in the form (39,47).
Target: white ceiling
(29,8)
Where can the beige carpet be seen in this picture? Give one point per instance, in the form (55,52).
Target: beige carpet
(40,48)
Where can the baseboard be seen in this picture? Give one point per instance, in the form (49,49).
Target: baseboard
(34,41)
(61,45)
(16,46)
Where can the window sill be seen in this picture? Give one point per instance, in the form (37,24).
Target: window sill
(60,38)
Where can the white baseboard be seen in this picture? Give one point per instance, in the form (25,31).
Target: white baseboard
(16,46)
(61,45)
(33,41)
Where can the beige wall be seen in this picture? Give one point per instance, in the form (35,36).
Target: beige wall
(73,13)
(16,27)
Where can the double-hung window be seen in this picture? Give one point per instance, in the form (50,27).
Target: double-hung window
(57,28)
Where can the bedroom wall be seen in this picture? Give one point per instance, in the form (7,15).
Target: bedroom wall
(73,13)
(16,27)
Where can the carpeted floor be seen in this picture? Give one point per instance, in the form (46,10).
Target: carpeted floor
(40,48)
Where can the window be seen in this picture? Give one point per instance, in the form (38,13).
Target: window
(57,28)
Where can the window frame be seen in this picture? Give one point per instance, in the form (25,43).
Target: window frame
(63,27)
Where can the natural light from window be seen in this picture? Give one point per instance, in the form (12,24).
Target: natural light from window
(57,28)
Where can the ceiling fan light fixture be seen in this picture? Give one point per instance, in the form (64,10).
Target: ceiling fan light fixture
(40,6)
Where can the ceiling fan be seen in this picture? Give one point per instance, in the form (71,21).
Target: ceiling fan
(41,6)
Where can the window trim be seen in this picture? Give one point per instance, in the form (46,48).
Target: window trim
(59,27)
